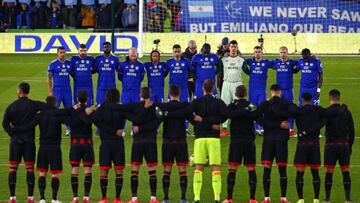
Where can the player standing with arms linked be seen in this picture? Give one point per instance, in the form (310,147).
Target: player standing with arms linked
(311,76)
(258,73)
(82,70)
(231,68)
(285,69)
(22,144)
(275,143)
(209,114)
(156,70)
(58,81)
(174,145)
(340,134)
(242,142)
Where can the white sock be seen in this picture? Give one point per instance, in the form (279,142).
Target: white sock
(134,198)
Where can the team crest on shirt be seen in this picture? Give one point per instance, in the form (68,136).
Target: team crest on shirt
(136,68)
(106,60)
(132,66)
(177,64)
(112,62)
(211,59)
(87,62)
(182,64)
(68,66)
(63,66)
(306,63)
(258,64)
(206,59)
(263,64)
(311,64)
(82,61)
(287,63)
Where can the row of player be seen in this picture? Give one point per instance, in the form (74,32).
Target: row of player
(180,69)
(206,115)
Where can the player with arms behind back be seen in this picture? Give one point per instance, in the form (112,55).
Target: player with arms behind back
(82,71)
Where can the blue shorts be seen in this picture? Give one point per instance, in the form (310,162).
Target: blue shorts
(100,96)
(312,90)
(199,89)
(132,96)
(287,94)
(90,92)
(257,96)
(63,96)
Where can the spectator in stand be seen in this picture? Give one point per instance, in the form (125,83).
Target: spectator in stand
(23,19)
(40,15)
(175,6)
(158,15)
(104,14)
(130,17)
(70,14)
(87,14)
(9,13)
(55,17)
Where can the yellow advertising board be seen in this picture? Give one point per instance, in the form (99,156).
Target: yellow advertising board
(319,43)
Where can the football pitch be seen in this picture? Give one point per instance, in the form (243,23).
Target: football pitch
(342,73)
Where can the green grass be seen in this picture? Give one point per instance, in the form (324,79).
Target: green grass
(339,72)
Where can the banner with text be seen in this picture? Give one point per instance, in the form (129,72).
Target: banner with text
(264,16)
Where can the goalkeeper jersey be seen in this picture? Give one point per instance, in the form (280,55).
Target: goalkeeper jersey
(232,67)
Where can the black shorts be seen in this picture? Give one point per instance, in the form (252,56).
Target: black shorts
(274,149)
(337,152)
(175,151)
(19,151)
(307,154)
(112,151)
(49,155)
(81,150)
(145,150)
(242,152)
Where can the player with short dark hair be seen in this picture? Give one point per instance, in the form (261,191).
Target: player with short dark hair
(178,68)
(309,120)
(339,133)
(81,148)
(22,144)
(205,66)
(285,69)
(258,73)
(58,81)
(82,70)
(156,70)
(242,142)
(105,65)
(49,154)
(209,113)
(112,149)
(311,75)
(174,147)
(276,136)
